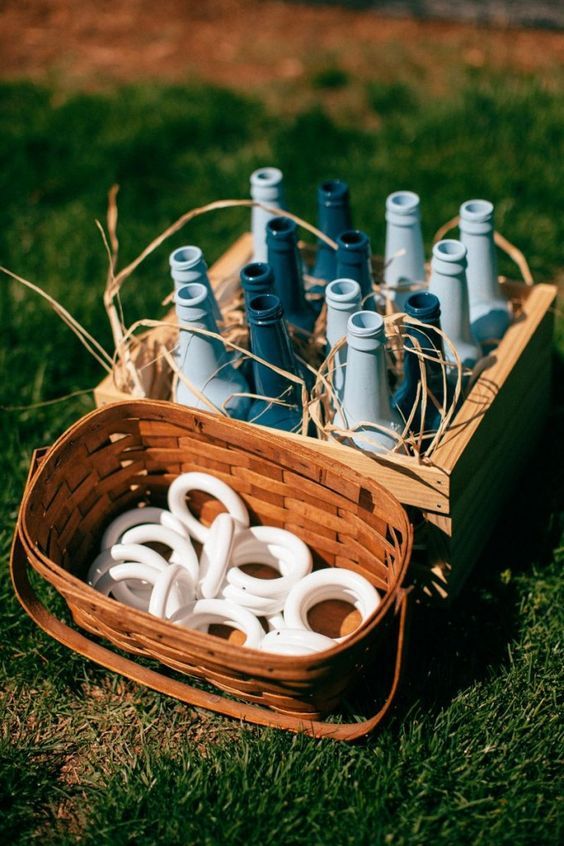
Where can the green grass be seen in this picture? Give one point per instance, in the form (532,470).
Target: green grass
(471,752)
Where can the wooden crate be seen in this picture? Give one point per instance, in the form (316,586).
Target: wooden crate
(462,491)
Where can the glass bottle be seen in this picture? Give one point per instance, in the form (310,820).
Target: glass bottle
(448,283)
(353,262)
(333,217)
(426,308)
(203,360)
(342,297)
(404,255)
(187,265)
(285,260)
(366,393)
(266,187)
(489,311)
(256,278)
(269,339)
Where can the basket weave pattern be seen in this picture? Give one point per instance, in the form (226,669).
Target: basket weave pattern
(129,453)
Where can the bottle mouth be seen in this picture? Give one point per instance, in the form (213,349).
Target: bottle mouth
(476,210)
(402,202)
(281,226)
(449,250)
(353,239)
(256,271)
(192,294)
(343,290)
(185,257)
(266,177)
(265,307)
(365,324)
(333,190)
(423,305)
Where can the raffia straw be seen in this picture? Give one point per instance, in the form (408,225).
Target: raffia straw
(89,342)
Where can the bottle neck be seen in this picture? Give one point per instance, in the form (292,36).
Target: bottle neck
(270,341)
(285,260)
(366,393)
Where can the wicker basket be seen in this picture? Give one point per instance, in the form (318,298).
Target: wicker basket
(130,452)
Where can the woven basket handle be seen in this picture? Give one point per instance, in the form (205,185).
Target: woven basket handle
(511,250)
(180,690)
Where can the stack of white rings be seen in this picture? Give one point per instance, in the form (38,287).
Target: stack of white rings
(214,589)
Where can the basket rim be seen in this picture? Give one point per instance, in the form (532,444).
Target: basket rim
(54,572)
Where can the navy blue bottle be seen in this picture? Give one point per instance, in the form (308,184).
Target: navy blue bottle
(353,262)
(269,339)
(425,307)
(333,217)
(285,260)
(256,278)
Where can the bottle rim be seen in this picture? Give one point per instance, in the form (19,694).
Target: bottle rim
(343,290)
(476,210)
(365,324)
(280,226)
(192,294)
(266,177)
(403,202)
(353,240)
(333,191)
(423,305)
(256,272)
(184,258)
(265,307)
(449,249)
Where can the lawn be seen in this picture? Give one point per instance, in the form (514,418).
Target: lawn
(471,752)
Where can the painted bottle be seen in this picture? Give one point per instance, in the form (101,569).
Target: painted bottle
(366,394)
(269,339)
(333,217)
(285,260)
(256,278)
(489,311)
(426,308)
(342,297)
(353,262)
(404,256)
(448,283)
(204,361)
(266,187)
(187,265)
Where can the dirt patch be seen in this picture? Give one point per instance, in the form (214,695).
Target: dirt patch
(246,44)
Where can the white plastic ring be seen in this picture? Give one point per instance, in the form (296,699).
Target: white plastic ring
(209,484)
(172,590)
(183,552)
(275,621)
(295,642)
(133,553)
(216,555)
(262,606)
(283,546)
(137,516)
(124,572)
(204,612)
(330,583)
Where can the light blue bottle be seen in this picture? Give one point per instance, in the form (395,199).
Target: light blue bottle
(448,283)
(366,393)
(404,257)
(187,265)
(204,360)
(266,187)
(342,297)
(353,262)
(489,311)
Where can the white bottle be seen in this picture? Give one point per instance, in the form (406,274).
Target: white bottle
(404,256)
(266,187)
